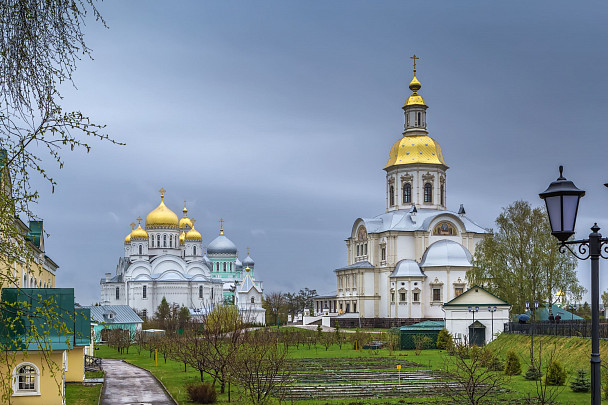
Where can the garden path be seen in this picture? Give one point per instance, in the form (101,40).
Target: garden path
(126,384)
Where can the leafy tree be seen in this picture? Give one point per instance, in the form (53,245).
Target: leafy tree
(521,260)
(512,365)
(298,302)
(183,317)
(275,305)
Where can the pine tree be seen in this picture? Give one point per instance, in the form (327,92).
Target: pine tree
(581,383)
(512,365)
(556,374)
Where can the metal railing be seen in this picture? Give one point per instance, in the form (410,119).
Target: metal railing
(92,363)
(563,328)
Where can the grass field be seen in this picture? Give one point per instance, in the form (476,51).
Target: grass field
(80,394)
(573,352)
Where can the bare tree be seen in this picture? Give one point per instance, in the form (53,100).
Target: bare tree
(475,382)
(260,366)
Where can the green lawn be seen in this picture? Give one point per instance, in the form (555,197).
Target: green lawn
(571,351)
(79,394)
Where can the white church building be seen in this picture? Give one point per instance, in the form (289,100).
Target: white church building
(166,259)
(405,263)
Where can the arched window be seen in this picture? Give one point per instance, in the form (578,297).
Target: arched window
(117,293)
(392,196)
(419,123)
(194,250)
(164,240)
(407,193)
(26,379)
(224,266)
(428,193)
(445,229)
(230,266)
(157,240)
(442,195)
(24,281)
(141,250)
(170,240)
(252,300)
(144,292)
(200,291)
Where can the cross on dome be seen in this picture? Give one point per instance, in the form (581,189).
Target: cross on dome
(162,192)
(414,57)
(221,226)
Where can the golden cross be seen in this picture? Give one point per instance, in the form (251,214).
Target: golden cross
(162,192)
(138,220)
(193,221)
(132,225)
(185,209)
(221,226)
(247,250)
(414,57)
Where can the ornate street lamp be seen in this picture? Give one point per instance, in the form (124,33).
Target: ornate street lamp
(473,310)
(561,198)
(492,310)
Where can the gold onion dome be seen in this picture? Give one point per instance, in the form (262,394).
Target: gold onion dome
(128,237)
(193,234)
(182,238)
(185,221)
(161,216)
(415,149)
(415,98)
(139,233)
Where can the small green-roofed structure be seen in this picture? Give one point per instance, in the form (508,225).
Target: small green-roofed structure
(425,328)
(542,313)
(42,318)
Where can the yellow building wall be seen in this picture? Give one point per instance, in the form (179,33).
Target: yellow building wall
(75,371)
(51,387)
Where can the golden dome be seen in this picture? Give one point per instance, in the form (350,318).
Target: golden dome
(161,216)
(415,98)
(193,234)
(182,238)
(139,232)
(185,221)
(128,239)
(415,149)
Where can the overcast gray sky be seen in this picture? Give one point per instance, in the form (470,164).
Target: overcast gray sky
(279,115)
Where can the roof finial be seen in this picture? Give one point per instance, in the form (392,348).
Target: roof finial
(221,226)
(162,192)
(414,57)
(247,250)
(132,225)
(185,210)
(247,269)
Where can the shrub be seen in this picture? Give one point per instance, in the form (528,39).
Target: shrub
(490,360)
(202,393)
(512,364)
(581,383)
(444,339)
(533,374)
(556,374)
(421,342)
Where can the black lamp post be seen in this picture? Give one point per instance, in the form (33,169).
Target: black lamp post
(562,198)
(492,310)
(572,308)
(473,310)
(532,329)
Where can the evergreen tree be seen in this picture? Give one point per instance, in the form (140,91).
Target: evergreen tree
(512,365)
(581,383)
(556,374)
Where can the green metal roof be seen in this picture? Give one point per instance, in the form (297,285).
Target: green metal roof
(425,325)
(42,318)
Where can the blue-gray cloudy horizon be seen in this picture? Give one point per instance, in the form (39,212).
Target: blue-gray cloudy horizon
(278,116)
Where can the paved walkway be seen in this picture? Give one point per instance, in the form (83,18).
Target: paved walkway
(127,384)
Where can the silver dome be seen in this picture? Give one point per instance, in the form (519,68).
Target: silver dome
(248,262)
(446,253)
(407,268)
(221,245)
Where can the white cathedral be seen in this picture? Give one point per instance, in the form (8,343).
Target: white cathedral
(404,264)
(166,259)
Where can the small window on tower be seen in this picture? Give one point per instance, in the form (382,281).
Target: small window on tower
(194,250)
(428,193)
(419,123)
(392,195)
(252,300)
(407,193)
(164,240)
(157,240)
(141,250)
(200,291)
(442,195)
(144,292)
(224,266)
(383,254)
(117,293)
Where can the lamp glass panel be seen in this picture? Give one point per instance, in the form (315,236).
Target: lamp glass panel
(554,210)
(570,208)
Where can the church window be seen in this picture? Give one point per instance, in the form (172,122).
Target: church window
(230,266)
(458,291)
(117,293)
(194,250)
(436,294)
(144,314)
(157,240)
(416,296)
(224,266)
(392,297)
(442,195)
(428,193)
(140,250)
(354,306)
(402,297)
(383,253)
(252,300)
(392,195)
(419,122)
(164,240)
(407,193)
(445,229)
(144,292)
(200,291)
(212,291)
(365,249)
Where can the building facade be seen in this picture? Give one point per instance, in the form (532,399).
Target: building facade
(166,258)
(403,264)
